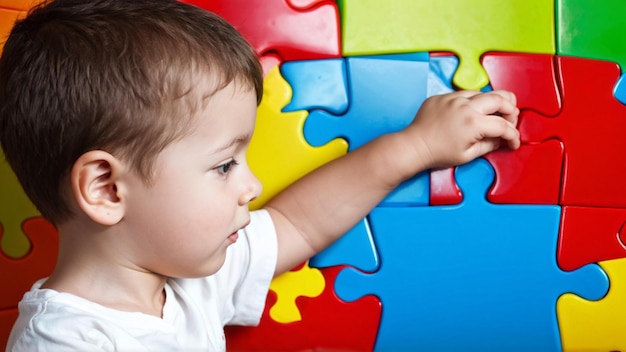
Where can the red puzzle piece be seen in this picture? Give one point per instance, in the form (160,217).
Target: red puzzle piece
(532,174)
(591,125)
(308,30)
(7,319)
(528,175)
(532,77)
(18,275)
(327,323)
(590,235)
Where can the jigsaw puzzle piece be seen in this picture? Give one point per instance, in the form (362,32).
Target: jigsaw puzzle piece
(532,77)
(385,92)
(301,282)
(590,125)
(593,30)
(374,27)
(356,249)
(591,234)
(15,207)
(19,274)
(528,175)
(327,323)
(464,273)
(275,26)
(278,153)
(317,84)
(596,326)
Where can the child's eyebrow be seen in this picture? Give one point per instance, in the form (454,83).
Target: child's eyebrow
(244,138)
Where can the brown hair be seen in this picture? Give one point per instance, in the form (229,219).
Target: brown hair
(113,75)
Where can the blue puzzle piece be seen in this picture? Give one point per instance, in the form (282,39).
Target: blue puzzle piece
(355,248)
(469,277)
(441,71)
(385,92)
(317,84)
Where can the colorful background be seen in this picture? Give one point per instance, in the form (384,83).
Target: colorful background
(519,250)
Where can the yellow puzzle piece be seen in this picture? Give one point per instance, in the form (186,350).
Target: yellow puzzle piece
(279,154)
(307,282)
(596,325)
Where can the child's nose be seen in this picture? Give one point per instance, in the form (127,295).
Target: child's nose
(252,188)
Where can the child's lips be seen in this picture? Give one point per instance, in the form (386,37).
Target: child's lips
(235,235)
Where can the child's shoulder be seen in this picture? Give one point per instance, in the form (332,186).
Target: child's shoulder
(49,319)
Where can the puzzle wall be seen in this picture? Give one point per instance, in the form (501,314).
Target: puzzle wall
(517,251)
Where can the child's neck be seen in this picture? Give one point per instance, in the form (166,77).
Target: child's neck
(86,269)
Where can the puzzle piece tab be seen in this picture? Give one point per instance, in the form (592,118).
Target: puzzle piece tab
(278,153)
(470,29)
(596,326)
(461,277)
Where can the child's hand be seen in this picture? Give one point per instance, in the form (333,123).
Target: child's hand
(455,128)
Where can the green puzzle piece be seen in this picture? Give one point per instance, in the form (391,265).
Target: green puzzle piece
(467,28)
(592,29)
(15,207)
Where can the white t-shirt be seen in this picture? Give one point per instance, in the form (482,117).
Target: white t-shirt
(194,313)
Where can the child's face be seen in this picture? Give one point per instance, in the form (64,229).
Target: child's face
(183,223)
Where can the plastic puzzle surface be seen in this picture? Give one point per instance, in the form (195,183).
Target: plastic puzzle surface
(519,250)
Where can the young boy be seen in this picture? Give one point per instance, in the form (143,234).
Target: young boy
(127,123)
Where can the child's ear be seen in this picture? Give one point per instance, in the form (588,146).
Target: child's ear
(95,181)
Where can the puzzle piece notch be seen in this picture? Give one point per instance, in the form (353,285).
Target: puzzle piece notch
(468,280)
(371,27)
(590,125)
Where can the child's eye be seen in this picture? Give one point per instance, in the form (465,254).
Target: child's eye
(225,168)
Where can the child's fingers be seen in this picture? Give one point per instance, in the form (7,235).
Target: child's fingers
(497,127)
(498,102)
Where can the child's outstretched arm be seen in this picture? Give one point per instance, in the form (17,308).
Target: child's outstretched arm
(448,130)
